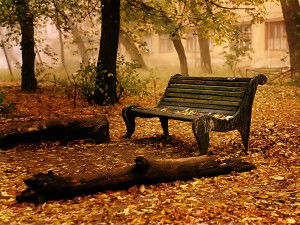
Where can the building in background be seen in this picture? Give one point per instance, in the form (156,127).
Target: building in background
(268,41)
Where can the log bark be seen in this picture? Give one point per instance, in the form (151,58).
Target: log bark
(96,128)
(48,186)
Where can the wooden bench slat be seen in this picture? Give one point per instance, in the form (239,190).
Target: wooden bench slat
(199,91)
(200,102)
(226,79)
(204,111)
(163,112)
(211,83)
(202,106)
(203,96)
(207,87)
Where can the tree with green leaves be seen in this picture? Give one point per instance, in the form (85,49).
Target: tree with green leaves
(75,21)
(205,19)
(165,18)
(217,20)
(19,13)
(239,49)
(20,17)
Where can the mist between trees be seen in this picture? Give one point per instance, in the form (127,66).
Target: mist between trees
(153,39)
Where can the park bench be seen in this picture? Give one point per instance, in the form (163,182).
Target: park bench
(210,103)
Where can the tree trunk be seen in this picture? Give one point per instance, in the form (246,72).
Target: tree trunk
(133,51)
(167,23)
(62,50)
(80,43)
(181,55)
(29,82)
(44,187)
(61,41)
(68,129)
(7,59)
(204,54)
(39,61)
(106,66)
(291,14)
(203,44)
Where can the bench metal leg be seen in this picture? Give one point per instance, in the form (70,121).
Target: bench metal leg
(244,129)
(201,129)
(245,134)
(129,120)
(130,126)
(164,125)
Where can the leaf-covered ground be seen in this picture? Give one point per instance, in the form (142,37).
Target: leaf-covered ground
(270,194)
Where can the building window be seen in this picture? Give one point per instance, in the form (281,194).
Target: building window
(243,40)
(245,36)
(148,42)
(276,38)
(165,44)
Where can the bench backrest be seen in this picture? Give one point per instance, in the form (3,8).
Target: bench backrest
(208,94)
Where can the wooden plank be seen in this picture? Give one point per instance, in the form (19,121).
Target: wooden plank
(204,97)
(163,112)
(206,92)
(207,87)
(201,102)
(204,111)
(211,83)
(198,106)
(228,79)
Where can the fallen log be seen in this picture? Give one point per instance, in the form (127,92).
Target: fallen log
(96,128)
(48,186)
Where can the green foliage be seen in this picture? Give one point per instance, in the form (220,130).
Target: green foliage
(5,108)
(85,80)
(64,14)
(129,80)
(213,18)
(239,49)
(129,83)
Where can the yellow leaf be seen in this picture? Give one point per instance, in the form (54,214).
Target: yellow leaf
(264,196)
(195,183)
(76,206)
(184,186)
(277,178)
(251,219)
(126,211)
(32,129)
(290,221)
(142,189)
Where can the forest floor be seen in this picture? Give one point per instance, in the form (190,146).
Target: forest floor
(269,194)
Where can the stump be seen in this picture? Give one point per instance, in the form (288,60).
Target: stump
(48,186)
(96,128)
